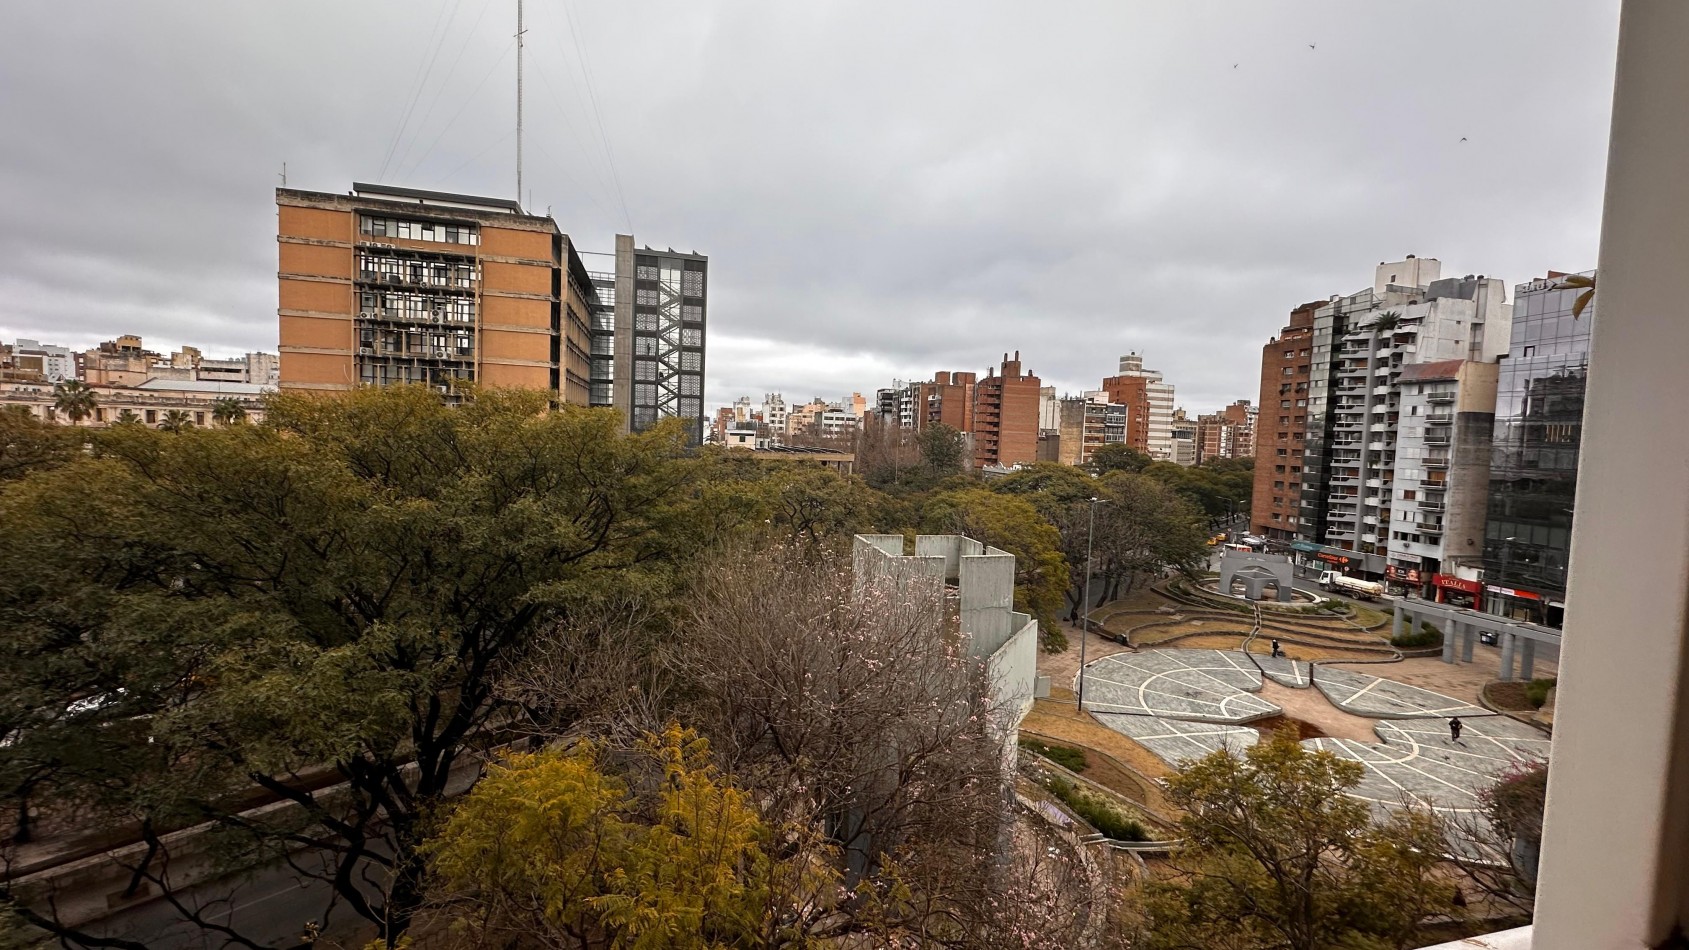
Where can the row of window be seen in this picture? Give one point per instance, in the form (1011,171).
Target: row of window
(459,344)
(418,230)
(372,267)
(394,374)
(397,305)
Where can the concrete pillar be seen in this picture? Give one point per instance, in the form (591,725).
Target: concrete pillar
(1615,848)
(1527,658)
(1506,657)
(1396,621)
(1468,640)
(1449,634)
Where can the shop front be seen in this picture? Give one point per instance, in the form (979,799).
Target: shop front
(1457,591)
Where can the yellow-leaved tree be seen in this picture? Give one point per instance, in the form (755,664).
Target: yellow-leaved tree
(597,849)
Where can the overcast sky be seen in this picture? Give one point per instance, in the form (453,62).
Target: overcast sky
(884,190)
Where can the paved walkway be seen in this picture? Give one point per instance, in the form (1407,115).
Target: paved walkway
(1195,685)
(1187,703)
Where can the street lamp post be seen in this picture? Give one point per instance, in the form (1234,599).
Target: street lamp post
(1085,624)
(1501,578)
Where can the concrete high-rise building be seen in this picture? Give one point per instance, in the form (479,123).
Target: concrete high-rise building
(1227,434)
(1005,416)
(1085,424)
(58,363)
(396,285)
(1361,346)
(1281,426)
(1439,485)
(774,412)
(1149,403)
(1183,447)
(1539,428)
(660,317)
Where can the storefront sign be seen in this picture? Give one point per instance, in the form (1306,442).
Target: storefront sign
(1329,558)
(1403,575)
(1511,592)
(1455,583)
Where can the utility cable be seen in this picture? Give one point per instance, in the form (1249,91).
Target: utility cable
(468,39)
(426,72)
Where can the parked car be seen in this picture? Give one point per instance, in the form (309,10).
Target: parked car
(1487,637)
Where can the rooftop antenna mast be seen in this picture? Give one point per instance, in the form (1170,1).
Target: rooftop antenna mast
(519,32)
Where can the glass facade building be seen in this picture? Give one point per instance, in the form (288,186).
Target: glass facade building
(1534,456)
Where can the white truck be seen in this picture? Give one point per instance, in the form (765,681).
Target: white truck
(1352,586)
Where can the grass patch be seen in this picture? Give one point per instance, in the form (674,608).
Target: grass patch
(1065,756)
(1536,691)
(1099,814)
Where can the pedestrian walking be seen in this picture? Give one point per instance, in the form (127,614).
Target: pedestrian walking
(1277,651)
(1455,725)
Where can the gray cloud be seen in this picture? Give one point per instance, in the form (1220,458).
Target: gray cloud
(884,189)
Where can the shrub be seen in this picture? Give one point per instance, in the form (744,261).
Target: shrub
(1052,638)
(1426,636)
(1099,814)
(1536,691)
(1065,756)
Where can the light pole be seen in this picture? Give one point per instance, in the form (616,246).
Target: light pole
(1085,624)
(1501,578)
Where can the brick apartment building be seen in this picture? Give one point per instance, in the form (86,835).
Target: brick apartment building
(1005,416)
(1281,427)
(1227,434)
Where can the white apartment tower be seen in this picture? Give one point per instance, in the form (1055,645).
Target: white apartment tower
(1159,442)
(1357,419)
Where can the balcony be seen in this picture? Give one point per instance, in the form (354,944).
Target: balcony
(1439,398)
(1440,418)
(1430,504)
(1436,461)
(1437,438)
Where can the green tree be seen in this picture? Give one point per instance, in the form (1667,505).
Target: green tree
(176,420)
(75,399)
(653,850)
(1277,854)
(1012,524)
(228,411)
(28,444)
(942,451)
(1117,457)
(813,506)
(127,418)
(338,593)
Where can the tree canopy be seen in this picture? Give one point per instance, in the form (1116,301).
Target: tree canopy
(1276,854)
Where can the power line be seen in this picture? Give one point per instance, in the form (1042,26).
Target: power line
(473,158)
(427,70)
(563,113)
(586,73)
(433,101)
(462,106)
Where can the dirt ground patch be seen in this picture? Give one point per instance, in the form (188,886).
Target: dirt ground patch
(1304,729)
(1508,696)
(1062,722)
(1162,634)
(1263,645)
(1311,706)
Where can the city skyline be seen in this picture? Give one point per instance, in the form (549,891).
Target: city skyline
(879,244)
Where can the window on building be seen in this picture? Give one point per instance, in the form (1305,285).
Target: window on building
(1289,369)
(1279,469)
(1278,485)
(1289,354)
(1282,453)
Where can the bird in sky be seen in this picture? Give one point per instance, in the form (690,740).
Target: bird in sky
(1234,65)
(1310,46)
(1463,138)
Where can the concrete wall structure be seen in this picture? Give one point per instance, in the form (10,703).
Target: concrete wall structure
(1005,640)
(1615,847)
